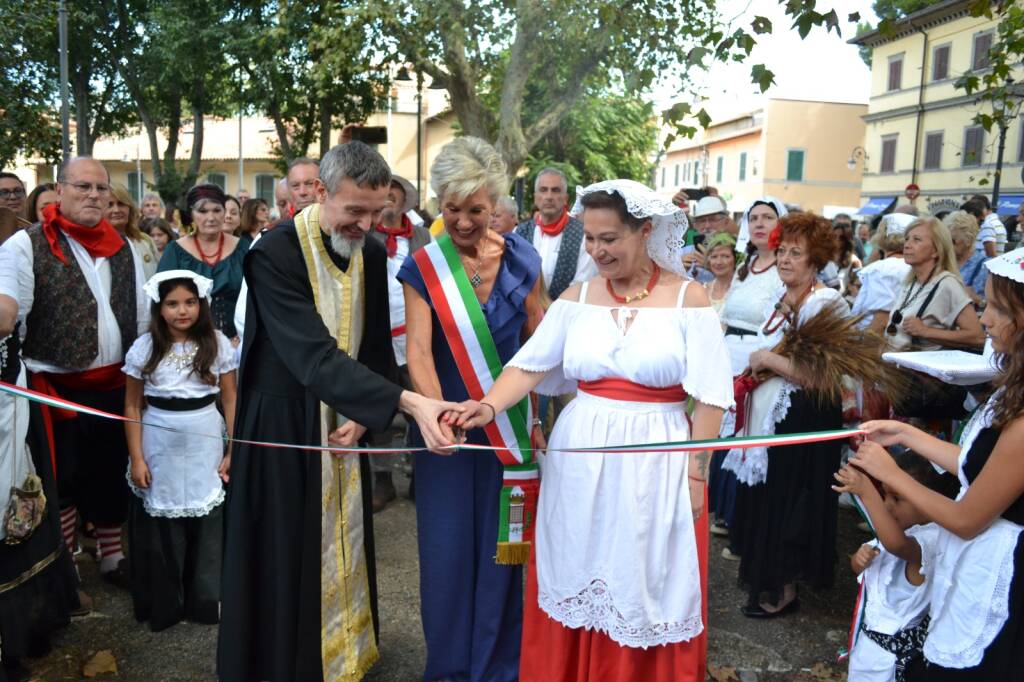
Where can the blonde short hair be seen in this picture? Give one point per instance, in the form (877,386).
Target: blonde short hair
(464,166)
(122,194)
(962,223)
(942,242)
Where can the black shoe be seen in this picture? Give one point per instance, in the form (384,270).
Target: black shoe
(756,611)
(383,490)
(119,577)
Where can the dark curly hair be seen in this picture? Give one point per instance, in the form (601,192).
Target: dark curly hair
(1008,296)
(816,232)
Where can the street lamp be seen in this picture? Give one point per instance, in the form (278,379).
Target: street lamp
(1005,111)
(857,152)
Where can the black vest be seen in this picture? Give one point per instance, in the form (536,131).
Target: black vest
(62,325)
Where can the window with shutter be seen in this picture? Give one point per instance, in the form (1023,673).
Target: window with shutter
(135,186)
(888,155)
(982,44)
(940,63)
(933,151)
(895,73)
(973,140)
(662,176)
(1020,143)
(265,188)
(719,169)
(795,165)
(219,179)
(676,183)
(743,166)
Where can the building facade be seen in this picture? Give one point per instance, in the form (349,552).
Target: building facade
(795,150)
(919,124)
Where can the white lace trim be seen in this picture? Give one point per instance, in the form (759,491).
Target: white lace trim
(668,236)
(751,465)
(594,609)
(971,654)
(176,513)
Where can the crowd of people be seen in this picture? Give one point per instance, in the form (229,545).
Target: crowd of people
(256,357)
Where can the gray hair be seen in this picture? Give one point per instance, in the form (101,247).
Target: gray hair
(152,196)
(551,171)
(303,161)
(357,161)
(509,204)
(909,209)
(464,166)
(62,172)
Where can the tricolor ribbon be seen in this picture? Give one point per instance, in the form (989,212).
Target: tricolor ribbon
(476,356)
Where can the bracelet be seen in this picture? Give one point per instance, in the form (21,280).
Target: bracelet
(494,413)
(699,480)
(538,422)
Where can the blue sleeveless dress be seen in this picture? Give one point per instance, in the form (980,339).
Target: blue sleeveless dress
(472,608)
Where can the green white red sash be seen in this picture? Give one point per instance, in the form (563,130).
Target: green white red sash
(469,338)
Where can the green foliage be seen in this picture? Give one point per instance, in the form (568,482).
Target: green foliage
(606,135)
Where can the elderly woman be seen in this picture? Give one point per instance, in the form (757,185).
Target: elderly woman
(963,230)
(255,217)
(123,215)
(720,260)
(210,252)
(932,309)
(471,607)
(232,215)
(756,282)
(617,583)
(977,576)
(785,520)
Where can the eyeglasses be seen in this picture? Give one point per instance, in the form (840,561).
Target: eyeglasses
(16,193)
(87,187)
(897,319)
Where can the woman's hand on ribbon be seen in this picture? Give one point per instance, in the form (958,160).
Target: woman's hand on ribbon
(473,416)
(851,480)
(429,413)
(885,432)
(875,461)
(140,473)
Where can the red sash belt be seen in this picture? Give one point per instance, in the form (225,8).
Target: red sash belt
(621,389)
(106,378)
(742,387)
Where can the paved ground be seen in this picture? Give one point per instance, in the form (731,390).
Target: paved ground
(798,647)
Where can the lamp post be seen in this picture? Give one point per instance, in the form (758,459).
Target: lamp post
(65,110)
(403,75)
(1005,110)
(857,152)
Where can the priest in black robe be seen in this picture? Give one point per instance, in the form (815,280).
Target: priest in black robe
(299,586)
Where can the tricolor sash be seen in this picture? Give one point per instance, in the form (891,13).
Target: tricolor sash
(465,328)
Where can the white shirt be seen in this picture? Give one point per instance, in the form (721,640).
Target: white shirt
(879,284)
(21,279)
(548,246)
(992,220)
(987,233)
(173,377)
(396,299)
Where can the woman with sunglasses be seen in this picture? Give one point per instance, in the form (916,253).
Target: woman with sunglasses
(932,309)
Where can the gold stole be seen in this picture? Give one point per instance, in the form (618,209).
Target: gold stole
(347,644)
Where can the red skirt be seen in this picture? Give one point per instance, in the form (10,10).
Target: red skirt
(552,652)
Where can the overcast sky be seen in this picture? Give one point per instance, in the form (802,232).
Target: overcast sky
(821,67)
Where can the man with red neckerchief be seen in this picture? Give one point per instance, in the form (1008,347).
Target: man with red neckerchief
(557,237)
(401,238)
(81,307)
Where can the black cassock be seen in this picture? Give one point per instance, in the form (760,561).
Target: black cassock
(270,620)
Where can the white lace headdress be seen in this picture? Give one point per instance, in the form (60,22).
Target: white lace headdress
(668,236)
(152,288)
(744,238)
(1009,264)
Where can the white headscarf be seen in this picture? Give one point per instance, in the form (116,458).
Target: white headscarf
(152,288)
(668,236)
(744,238)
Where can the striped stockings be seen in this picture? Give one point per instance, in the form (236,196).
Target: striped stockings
(108,541)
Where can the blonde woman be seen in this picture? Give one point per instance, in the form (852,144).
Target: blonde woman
(123,215)
(963,229)
(471,606)
(932,309)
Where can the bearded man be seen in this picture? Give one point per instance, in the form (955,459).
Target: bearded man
(299,595)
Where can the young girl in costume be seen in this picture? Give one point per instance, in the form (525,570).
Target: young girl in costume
(178,458)
(894,584)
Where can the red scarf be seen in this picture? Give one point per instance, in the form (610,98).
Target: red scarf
(100,241)
(394,233)
(554,229)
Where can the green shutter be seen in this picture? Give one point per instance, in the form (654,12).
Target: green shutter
(743,166)
(795,166)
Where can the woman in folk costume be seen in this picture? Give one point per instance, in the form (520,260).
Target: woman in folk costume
(977,599)
(471,298)
(785,520)
(617,584)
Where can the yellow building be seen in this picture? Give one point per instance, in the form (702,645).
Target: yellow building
(919,125)
(235,159)
(795,150)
